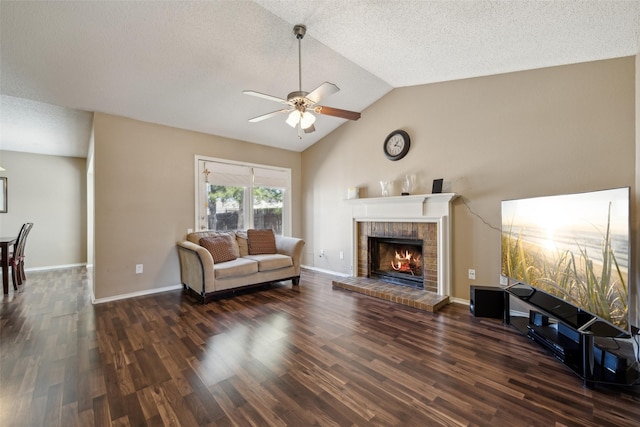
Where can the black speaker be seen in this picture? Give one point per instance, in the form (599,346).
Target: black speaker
(487,301)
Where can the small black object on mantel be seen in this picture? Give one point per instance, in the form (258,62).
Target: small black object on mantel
(437,186)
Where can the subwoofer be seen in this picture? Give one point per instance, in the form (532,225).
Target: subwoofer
(487,301)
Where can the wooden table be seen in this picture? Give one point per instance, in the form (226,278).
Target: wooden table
(5,242)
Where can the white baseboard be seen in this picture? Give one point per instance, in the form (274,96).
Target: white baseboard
(135,294)
(459,300)
(322,270)
(54,267)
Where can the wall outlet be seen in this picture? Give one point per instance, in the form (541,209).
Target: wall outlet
(189,230)
(503,280)
(341,255)
(321,253)
(139,269)
(472,274)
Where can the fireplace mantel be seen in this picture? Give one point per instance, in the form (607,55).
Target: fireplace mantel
(403,207)
(435,208)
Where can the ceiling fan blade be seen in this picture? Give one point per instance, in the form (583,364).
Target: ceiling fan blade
(310,129)
(267,116)
(336,112)
(325,89)
(264,96)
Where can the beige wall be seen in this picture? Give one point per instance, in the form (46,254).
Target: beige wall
(144,197)
(540,132)
(635,259)
(50,192)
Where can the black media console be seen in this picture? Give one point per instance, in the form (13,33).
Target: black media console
(592,348)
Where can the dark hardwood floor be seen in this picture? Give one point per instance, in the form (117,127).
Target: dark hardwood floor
(277,357)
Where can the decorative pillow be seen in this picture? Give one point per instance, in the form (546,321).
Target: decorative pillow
(220,246)
(243,245)
(195,238)
(261,242)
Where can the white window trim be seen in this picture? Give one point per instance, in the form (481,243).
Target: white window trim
(286,211)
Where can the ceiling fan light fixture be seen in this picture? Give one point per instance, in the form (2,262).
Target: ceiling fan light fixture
(307,120)
(294,118)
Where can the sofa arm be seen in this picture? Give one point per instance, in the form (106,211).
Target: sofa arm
(196,267)
(291,246)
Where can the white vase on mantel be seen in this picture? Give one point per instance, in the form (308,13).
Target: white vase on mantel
(386,187)
(408,184)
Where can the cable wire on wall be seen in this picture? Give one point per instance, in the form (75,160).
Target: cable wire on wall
(478,216)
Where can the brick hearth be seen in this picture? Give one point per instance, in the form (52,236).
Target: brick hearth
(416,298)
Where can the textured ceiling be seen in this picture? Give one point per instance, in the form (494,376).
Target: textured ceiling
(185,64)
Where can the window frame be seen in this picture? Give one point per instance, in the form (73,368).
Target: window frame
(200,190)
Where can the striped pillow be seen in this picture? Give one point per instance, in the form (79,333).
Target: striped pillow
(220,246)
(261,242)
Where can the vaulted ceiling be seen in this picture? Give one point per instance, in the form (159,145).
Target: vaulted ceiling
(185,64)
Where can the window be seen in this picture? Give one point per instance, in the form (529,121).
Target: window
(238,196)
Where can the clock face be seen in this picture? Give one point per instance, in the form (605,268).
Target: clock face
(396,146)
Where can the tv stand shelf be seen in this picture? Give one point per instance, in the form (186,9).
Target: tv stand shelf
(583,345)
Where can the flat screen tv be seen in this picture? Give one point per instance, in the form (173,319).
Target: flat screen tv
(569,255)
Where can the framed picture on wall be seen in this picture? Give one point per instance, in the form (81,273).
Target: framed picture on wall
(3,194)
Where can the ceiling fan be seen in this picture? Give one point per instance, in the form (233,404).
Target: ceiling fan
(300,104)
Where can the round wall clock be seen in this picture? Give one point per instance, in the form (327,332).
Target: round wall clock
(396,145)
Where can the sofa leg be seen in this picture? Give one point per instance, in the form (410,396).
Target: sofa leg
(295,281)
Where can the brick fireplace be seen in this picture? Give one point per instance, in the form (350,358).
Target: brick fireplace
(397,260)
(422,233)
(424,218)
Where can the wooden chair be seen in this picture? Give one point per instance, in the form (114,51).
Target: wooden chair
(16,259)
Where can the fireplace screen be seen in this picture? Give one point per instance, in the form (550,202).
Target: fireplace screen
(397,261)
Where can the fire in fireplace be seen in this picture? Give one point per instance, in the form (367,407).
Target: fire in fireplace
(397,261)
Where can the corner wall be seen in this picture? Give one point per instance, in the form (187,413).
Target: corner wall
(144,198)
(635,247)
(540,132)
(49,191)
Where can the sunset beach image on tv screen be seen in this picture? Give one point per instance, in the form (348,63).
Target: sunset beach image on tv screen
(575,247)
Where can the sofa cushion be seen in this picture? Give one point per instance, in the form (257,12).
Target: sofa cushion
(269,262)
(261,242)
(243,242)
(237,267)
(221,247)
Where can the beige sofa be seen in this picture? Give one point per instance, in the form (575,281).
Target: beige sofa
(206,279)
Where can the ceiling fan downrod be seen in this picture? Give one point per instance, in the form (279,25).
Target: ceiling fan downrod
(299,30)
